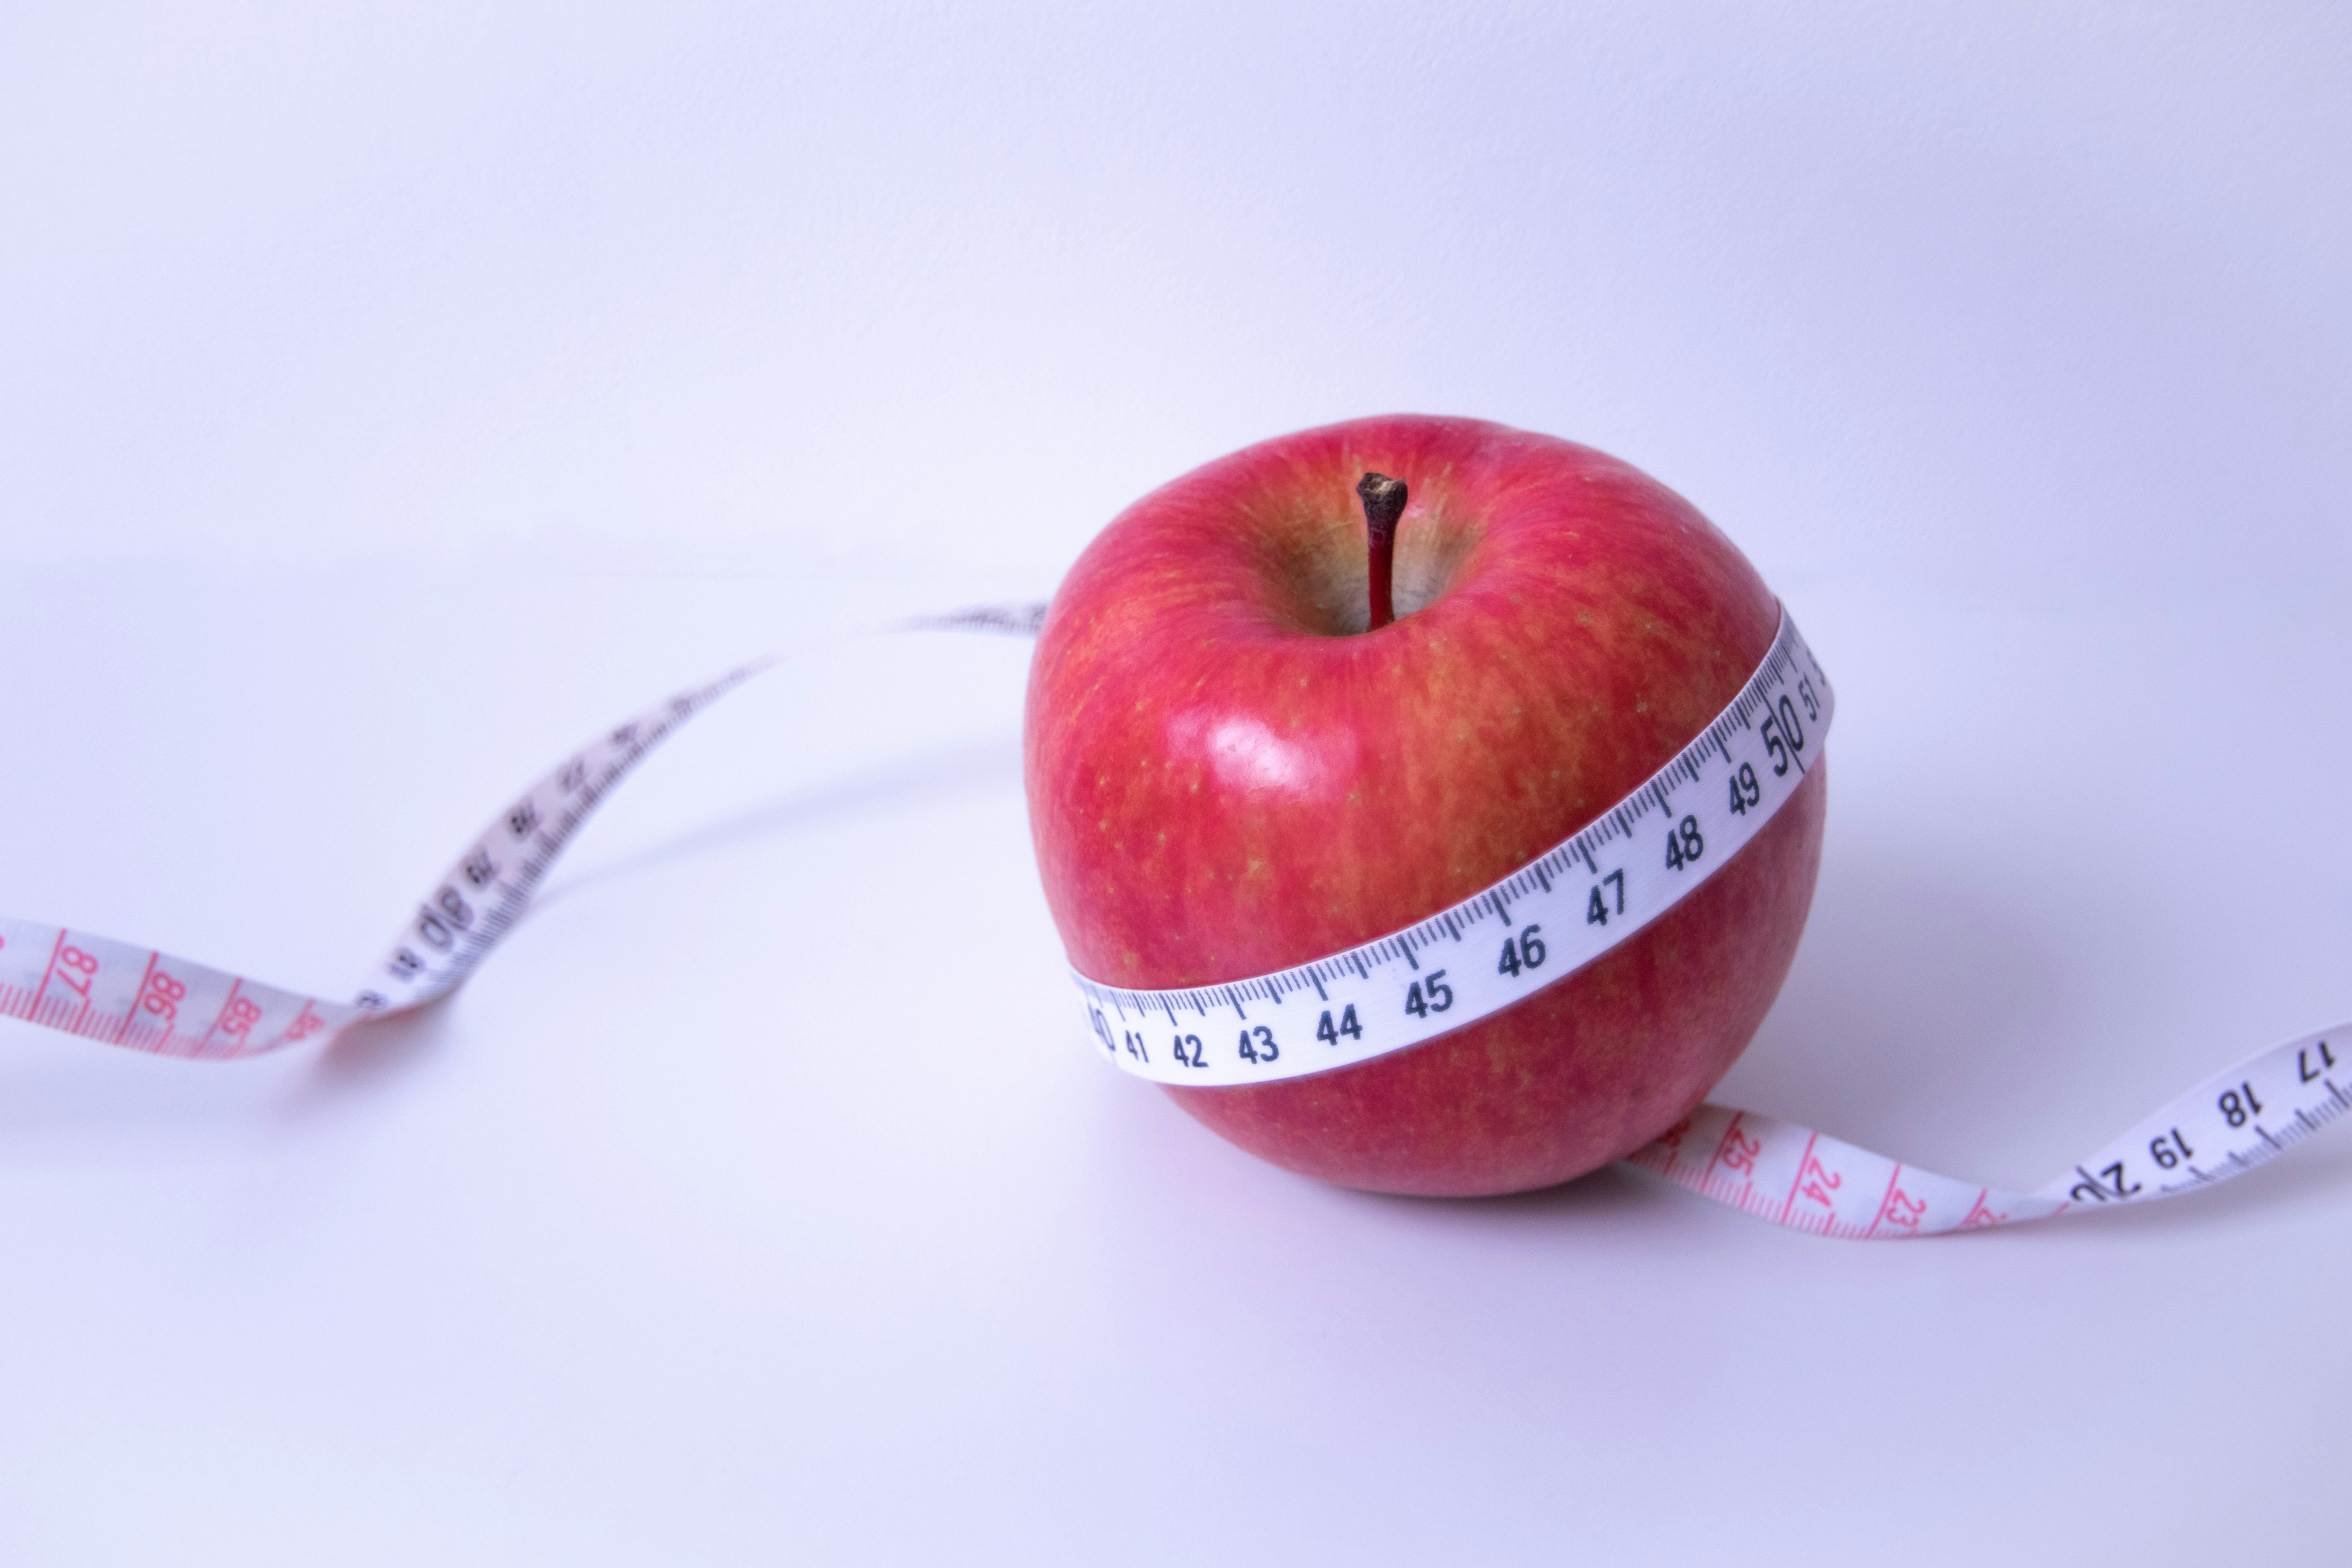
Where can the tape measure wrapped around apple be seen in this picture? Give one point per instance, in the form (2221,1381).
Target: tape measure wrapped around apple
(1457,846)
(1239,763)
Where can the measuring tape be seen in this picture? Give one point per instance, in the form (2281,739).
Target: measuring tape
(125,995)
(1634,862)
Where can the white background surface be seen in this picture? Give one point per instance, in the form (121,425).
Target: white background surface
(388,398)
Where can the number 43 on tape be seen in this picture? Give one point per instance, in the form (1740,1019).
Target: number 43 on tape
(124,995)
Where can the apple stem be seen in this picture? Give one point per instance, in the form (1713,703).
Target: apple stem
(1383,500)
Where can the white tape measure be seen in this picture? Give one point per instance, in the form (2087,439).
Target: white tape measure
(1634,861)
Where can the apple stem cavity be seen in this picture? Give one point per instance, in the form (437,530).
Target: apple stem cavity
(1384,500)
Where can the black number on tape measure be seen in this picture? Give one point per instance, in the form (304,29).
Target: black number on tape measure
(1805,691)
(1784,736)
(480,870)
(2239,1104)
(1685,843)
(574,774)
(1102,1028)
(1596,908)
(1257,1043)
(2303,1062)
(405,965)
(1135,1046)
(1745,791)
(452,904)
(522,819)
(1348,1026)
(2114,1186)
(1439,998)
(2169,1149)
(1188,1051)
(1525,950)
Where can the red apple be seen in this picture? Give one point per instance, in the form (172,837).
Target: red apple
(1229,771)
